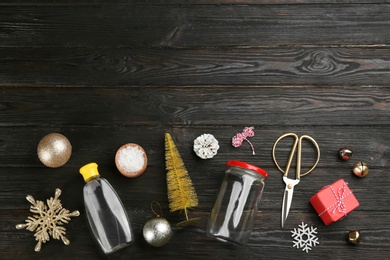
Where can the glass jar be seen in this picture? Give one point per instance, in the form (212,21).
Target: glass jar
(235,209)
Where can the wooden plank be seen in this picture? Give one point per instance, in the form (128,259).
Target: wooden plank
(181,26)
(21,167)
(263,106)
(228,66)
(190,2)
(193,241)
(102,143)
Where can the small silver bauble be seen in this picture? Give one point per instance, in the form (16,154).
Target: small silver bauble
(157,232)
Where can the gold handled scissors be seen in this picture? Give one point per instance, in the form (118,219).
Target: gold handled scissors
(290,183)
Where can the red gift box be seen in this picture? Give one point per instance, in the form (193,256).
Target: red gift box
(333,202)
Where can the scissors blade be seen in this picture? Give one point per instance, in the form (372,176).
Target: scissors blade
(287,199)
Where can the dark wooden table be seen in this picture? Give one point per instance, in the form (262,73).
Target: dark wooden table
(105,74)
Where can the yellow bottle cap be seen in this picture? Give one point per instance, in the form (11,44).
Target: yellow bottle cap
(89,170)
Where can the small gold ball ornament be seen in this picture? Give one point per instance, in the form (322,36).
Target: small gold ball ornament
(360,169)
(354,237)
(345,154)
(54,150)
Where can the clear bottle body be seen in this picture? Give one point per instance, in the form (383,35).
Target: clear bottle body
(106,215)
(235,209)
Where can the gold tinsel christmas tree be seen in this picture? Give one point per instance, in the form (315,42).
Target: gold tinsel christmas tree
(181,192)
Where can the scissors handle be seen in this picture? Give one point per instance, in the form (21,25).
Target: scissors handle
(294,147)
(297,144)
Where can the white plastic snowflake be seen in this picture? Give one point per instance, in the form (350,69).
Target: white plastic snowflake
(49,220)
(305,237)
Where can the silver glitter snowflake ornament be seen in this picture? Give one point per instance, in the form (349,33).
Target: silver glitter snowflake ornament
(305,237)
(206,146)
(48,221)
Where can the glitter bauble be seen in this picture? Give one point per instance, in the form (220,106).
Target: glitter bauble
(157,232)
(54,150)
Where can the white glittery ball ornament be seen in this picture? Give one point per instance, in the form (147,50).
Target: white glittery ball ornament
(206,146)
(157,231)
(54,150)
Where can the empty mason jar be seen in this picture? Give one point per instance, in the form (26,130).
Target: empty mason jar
(235,209)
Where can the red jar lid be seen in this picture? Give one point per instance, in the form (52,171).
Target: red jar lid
(247,166)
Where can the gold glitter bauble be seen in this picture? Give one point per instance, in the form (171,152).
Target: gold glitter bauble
(54,150)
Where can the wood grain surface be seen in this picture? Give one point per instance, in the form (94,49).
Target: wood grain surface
(179,26)
(108,73)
